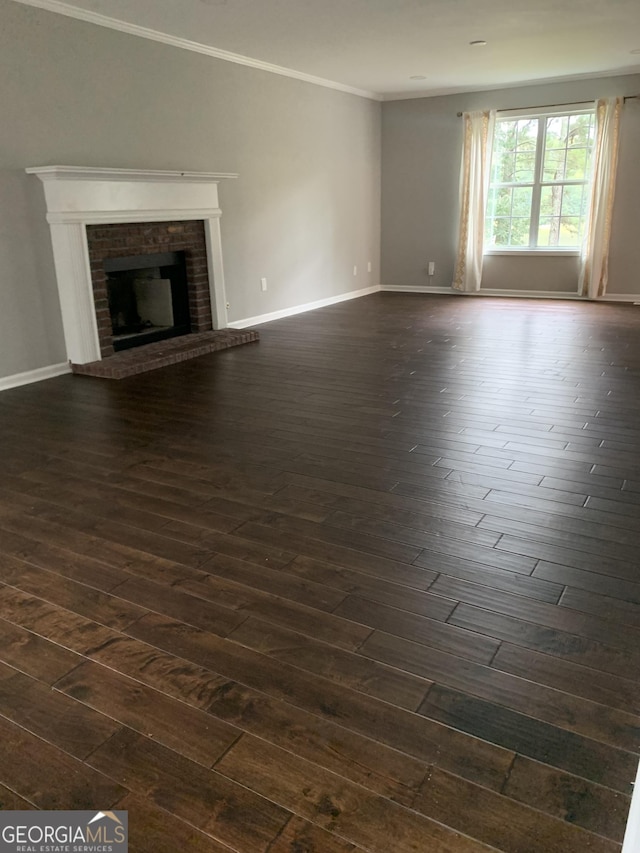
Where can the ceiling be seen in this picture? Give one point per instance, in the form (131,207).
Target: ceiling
(376,46)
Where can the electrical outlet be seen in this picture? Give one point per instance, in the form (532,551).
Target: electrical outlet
(263,284)
(432,268)
(369,267)
(355,270)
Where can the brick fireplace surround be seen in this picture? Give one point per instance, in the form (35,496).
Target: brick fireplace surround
(144,238)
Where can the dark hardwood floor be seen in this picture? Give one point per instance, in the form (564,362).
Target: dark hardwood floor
(371,584)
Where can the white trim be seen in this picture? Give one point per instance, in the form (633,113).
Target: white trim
(420,288)
(300,309)
(620,297)
(194,46)
(561,110)
(91,217)
(631,843)
(529,294)
(215,268)
(517,84)
(36,375)
(91,173)
(75,290)
(545,253)
(524,294)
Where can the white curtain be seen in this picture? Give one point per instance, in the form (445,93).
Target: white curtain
(594,269)
(474,186)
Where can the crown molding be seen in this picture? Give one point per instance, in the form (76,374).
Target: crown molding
(445,91)
(70,11)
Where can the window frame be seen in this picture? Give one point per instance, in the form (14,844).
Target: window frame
(538,183)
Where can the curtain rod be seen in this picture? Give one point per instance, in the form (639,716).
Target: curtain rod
(548,106)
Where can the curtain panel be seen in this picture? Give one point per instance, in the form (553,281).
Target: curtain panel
(474,187)
(594,268)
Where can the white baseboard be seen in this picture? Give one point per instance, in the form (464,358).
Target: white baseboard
(620,297)
(30,376)
(421,288)
(551,294)
(528,294)
(631,842)
(509,294)
(300,309)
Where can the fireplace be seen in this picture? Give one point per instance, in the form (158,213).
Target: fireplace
(102,221)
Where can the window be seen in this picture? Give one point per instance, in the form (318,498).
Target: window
(540,181)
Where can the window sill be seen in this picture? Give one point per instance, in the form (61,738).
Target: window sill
(535,252)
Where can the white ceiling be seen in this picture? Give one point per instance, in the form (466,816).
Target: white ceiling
(375,46)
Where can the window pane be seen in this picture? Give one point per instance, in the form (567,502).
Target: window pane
(504,137)
(519,234)
(548,230)
(551,200)
(525,164)
(579,127)
(499,202)
(586,200)
(570,231)
(512,134)
(557,132)
(521,202)
(577,163)
(554,164)
(550,210)
(514,151)
(509,216)
(572,201)
(498,216)
(527,134)
(497,231)
(562,213)
(504,167)
(491,206)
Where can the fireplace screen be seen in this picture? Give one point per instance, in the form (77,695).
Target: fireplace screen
(148,298)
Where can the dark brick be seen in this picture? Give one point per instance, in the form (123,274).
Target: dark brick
(118,239)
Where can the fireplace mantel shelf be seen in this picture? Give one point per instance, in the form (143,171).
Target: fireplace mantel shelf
(89,173)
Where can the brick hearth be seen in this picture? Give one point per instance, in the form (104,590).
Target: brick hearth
(164,353)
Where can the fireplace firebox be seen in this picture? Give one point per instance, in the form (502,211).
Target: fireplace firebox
(148,298)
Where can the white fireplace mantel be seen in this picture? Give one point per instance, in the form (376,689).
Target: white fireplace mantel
(77,196)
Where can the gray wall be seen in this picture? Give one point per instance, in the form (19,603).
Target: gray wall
(304,211)
(421,148)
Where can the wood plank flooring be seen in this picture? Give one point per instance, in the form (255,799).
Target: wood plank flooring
(371,585)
